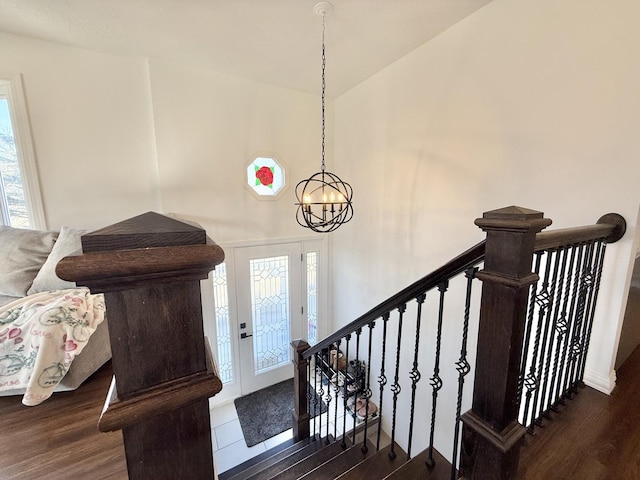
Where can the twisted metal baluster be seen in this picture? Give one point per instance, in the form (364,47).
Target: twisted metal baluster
(328,398)
(544,300)
(336,390)
(357,380)
(552,313)
(436,381)
(565,326)
(367,392)
(531,381)
(309,396)
(395,388)
(463,368)
(319,394)
(527,339)
(559,329)
(586,286)
(382,379)
(598,276)
(345,395)
(315,392)
(415,373)
(573,325)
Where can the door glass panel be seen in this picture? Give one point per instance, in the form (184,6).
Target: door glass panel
(312,297)
(223,326)
(270,311)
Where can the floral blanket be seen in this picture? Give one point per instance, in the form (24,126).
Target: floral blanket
(41,334)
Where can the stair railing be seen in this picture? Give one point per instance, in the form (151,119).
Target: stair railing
(533,337)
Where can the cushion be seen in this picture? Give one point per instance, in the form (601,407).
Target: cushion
(22,253)
(68,243)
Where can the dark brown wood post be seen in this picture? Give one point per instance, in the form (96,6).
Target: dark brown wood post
(149,268)
(300,389)
(491,434)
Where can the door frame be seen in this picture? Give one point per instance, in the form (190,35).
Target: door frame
(319,243)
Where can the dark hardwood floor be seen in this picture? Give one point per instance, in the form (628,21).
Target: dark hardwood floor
(595,437)
(59,439)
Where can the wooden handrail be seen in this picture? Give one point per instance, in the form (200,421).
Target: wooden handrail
(459,264)
(610,227)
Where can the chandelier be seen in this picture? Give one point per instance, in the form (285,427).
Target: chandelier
(324,201)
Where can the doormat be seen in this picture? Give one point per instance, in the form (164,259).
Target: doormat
(267,412)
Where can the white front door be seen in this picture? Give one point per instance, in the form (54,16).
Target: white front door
(270,312)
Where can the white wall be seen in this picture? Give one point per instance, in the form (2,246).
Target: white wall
(208,126)
(529,103)
(91,124)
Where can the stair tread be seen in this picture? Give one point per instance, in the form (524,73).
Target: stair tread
(416,468)
(250,467)
(377,466)
(339,463)
(305,465)
(283,463)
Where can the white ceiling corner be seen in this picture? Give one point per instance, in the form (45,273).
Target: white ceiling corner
(272,41)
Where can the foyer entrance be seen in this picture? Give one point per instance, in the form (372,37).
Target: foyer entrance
(265,296)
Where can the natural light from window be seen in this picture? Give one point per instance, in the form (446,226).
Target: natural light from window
(13,203)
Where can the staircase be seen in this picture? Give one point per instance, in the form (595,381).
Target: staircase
(327,458)
(539,292)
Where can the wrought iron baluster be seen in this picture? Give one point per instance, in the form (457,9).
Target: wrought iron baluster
(558,331)
(531,381)
(599,262)
(436,381)
(309,395)
(463,368)
(382,379)
(345,394)
(545,301)
(336,390)
(367,392)
(415,373)
(318,371)
(567,314)
(318,398)
(359,385)
(395,388)
(573,325)
(552,313)
(586,286)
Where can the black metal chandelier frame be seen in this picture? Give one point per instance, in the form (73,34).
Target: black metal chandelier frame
(324,201)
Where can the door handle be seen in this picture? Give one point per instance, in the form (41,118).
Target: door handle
(244,335)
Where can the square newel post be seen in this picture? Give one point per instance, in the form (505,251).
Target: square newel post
(491,434)
(300,388)
(149,268)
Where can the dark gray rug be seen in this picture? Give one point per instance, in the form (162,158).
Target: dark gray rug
(267,412)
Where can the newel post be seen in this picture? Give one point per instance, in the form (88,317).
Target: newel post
(491,435)
(149,268)
(300,390)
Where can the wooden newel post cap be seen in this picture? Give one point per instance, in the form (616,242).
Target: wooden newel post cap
(513,218)
(140,250)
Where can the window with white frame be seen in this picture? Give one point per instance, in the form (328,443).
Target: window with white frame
(20,201)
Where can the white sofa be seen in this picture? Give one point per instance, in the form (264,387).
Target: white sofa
(27,266)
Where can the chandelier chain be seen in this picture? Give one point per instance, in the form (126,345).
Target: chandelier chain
(323,91)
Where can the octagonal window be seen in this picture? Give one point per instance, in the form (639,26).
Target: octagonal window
(265,176)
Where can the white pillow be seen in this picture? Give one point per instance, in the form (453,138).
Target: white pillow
(68,243)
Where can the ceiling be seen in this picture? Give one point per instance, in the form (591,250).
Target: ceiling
(271,41)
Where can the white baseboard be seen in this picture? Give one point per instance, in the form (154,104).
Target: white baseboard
(604,384)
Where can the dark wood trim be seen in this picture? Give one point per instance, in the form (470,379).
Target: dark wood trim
(491,434)
(118,414)
(149,269)
(301,428)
